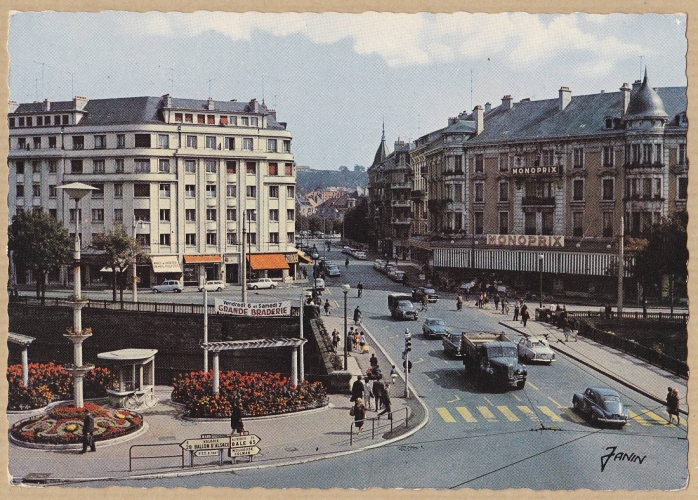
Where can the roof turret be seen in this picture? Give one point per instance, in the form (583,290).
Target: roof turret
(382,152)
(645,103)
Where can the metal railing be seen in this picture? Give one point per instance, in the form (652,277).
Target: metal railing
(375,424)
(131,458)
(636,315)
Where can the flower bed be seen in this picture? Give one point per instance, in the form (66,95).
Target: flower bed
(258,394)
(50,382)
(63,425)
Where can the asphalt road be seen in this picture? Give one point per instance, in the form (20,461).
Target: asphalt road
(477,438)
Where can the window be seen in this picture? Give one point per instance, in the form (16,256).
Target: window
(288,169)
(164,215)
(578,189)
(233,120)
(458,164)
(36,190)
(479,222)
(165,239)
(22,143)
(210,166)
(97,215)
(251,167)
(479,191)
(118,190)
(290,214)
(163,141)
(608,156)
(190,166)
(247,144)
(53,213)
(119,165)
(100,141)
(211,238)
(230,143)
(120,141)
(99,192)
(178,117)
(245,121)
(37,142)
(190,190)
(119,215)
(231,167)
(211,119)
(635,153)
(682,190)
(578,223)
(274,215)
(503,163)
(547,219)
(141,214)
(479,163)
(504,191)
(141,190)
(231,191)
(192,142)
(142,165)
(503,222)
(20,167)
(190,239)
(52,142)
(232,238)
(273,191)
(254,121)
(274,238)
(251,191)
(251,215)
(647,153)
(273,169)
(78,142)
(231,214)
(53,192)
(210,190)
(190,214)
(164,166)
(211,214)
(251,238)
(290,190)
(164,190)
(578,157)
(530,223)
(72,215)
(682,154)
(201,119)
(142,140)
(607,189)
(98,167)
(75,166)
(271,145)
(607,223)
(143,240)
(290,237)
(188,117)
(210,142)
(11,122)
(287,146)
(658,153)
(52,166)
(36,167)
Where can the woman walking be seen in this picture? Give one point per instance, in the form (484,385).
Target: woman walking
(368,394)
(672,405)
(358,411)
(327,307)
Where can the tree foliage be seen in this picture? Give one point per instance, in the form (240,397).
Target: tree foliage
(39,242)
(120,253)
(355,221)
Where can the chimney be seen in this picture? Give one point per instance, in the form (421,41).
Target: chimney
(210,105)
(565,98)
(636,85)
(47,105)
(452,120)
(507,102)
(625,98)
(167,101)
(254,106)
(79,102)
(488,107)
(479,117)
(12,106)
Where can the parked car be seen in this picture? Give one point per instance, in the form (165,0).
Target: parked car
(451,343)
(359,254)
(168,286)
(318,283)
(418,294)
(601,405)
(261,283)
(397,275)
(333,270)
(212,286)
(434,327)
(534,349)
(379,264)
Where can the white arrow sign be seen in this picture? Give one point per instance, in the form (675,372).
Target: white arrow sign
(249,440)
(207,453)
(206,444)
(243,451)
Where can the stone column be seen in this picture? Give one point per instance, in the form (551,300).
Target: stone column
(216,374)
(294,367)
(25,367)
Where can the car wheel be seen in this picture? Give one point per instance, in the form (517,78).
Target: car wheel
(272,287)
(254,287)
(155,290)
(178,290)
(575,404)
(201,289)
(521,385)
(218,289)
(594,418)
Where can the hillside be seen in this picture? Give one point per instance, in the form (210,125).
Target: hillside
(307,181)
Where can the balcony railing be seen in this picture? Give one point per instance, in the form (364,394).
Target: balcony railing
(401,203)
(644,164)
(449,173)
(537,200)
(402,220)
(401,185)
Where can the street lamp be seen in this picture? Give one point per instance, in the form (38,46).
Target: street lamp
(472,241)
(135,276)
(345,290)
(315,256)
(540,269)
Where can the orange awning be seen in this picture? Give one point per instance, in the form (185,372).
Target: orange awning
(267,261)
(202,259)
(301,256)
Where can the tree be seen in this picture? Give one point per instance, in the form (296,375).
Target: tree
(39,242)
(355,222)
(343,168)
(359,168)
(121,251)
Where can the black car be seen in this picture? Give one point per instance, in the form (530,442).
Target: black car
(419,293)
(601,405)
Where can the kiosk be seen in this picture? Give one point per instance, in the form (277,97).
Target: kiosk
(136,369)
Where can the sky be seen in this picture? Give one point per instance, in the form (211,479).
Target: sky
(336,78)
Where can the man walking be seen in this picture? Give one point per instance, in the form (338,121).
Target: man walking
(88,432)
(385,401)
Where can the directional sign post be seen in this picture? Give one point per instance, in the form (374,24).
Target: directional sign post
(210,446)
(216,443)
(244,451)
(243,446)
(248,440)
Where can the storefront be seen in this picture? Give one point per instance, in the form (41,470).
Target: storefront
(232,269)
(166,267)
(200,268)
(269,265)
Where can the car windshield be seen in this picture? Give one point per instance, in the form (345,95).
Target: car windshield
(612,404)
(405,304)
(429,290)
(501,352)
(538,344)
(436,322)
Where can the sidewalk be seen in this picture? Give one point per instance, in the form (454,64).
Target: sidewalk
(632,372)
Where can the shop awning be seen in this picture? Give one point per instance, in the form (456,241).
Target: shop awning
(165,264)
(267,261)
(202,259)
(303,258)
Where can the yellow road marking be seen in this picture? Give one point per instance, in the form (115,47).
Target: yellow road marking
(657,418)
(517,398)
(555,402)
(485,412)
(528,412)
(531,385)
(446,415)
(637,418)
(508,414)
(488,401)
(550,413)
(467,416)
(680,418)
(572,415)
(454,400)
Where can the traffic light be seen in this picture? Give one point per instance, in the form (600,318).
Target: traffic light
(408,341)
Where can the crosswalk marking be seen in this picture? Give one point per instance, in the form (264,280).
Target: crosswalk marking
(555,402)
(488,401)
(508,414)
(446,415)
(530,384)
(516,397)
(657,418)
(528,412)
(485,412)
(683,422)
(637,418)
(567,411)
(467,416)
(554,417)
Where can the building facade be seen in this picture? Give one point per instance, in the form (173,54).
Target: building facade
(194,180)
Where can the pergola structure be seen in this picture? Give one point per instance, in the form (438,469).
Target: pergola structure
(236,345)
(24,341)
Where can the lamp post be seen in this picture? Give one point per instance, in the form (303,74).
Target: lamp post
(345,290)
(315,270)
(540,269)
(77,191)
(135,276)
(621,266)
(472,241)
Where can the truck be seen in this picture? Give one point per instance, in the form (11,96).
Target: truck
(401,307)
(492,358)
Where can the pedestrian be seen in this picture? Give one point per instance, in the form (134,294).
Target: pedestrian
(358,411)
(362,342)
(505,307)
(335,339)
(378,388)
(346,262)
(425,302)
(459,302)
(327,307)
(644,306)
(672,405)
(385,401)
(566,330)
(373,360)
(88,432)
(357,389)
(350,337)
(393,374)
(360,289)
(357,316)
(236,423)
(524,317)
(516,311)
(496,302)
(368,395)
(357,339)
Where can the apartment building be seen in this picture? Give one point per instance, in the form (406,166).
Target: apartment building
(193,179)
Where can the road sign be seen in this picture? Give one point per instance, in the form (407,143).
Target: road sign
(206,444)
(207,453)
(248,440)
(243,451)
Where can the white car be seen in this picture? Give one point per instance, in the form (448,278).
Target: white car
(318,283)
(333,270)
(261,283)
(379,264)
(212,286)
(168,286)
(359,255)
(535,349)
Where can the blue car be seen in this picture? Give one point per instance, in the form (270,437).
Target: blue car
(434,327)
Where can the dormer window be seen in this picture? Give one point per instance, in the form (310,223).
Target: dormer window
(609,122)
